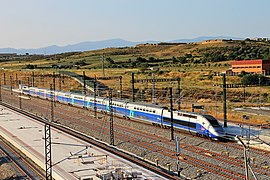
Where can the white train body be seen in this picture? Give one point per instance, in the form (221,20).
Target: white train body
(200,124)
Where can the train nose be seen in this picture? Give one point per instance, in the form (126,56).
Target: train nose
(220,131)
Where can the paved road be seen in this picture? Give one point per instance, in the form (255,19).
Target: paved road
(255,110)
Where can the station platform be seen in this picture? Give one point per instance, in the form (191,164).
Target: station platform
(71,158)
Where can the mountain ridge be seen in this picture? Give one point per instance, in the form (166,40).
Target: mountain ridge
(94,45)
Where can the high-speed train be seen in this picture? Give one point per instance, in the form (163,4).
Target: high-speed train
(199,124)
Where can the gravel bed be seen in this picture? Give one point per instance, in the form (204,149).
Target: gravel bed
(6,168)
(189,171)
(6,171)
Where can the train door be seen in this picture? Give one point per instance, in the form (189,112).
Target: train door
(189,125)
(130,112)
(126,113)
(88,103)
(161,117)
(72,100)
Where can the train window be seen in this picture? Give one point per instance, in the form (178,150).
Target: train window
(180,122)
(154,111)
(212,120)
(189,116)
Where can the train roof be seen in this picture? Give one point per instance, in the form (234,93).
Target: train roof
(120,100)
(148,105)
(194,113)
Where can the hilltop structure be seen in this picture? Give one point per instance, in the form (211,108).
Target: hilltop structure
(258,66)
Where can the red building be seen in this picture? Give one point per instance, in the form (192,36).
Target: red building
(258,66)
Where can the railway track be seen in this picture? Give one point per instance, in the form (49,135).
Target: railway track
(233,145)
(170,153)
(25,168)
(124,137)
(102,145)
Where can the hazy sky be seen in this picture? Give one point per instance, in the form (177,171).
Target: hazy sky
(39,23)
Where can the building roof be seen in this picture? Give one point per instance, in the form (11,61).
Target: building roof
(243,62)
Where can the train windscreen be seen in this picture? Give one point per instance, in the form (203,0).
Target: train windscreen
(213,121)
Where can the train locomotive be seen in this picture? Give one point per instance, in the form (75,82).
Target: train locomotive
(195,123)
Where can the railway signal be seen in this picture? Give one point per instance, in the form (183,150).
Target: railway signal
(197,107)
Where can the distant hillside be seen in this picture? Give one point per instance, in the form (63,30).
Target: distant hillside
(94,45)
(83,46)
(203,38)
(181,53)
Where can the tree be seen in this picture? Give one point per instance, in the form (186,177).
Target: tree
(253,79)
(140,59)
(174,60)
(151,59)
(31,66)
(110,60)
(81,63)
(188,55)
(182,60)
(242,74)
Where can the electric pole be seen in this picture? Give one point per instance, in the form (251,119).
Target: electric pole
(84,83)
(171,109)
(153,89)
(95,96)
(179,97)
(133,90)
(111,119)
(121,87)
(48,143)
(224,100)
(103,71)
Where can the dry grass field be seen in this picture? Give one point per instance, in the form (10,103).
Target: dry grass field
(199,92)
(197,80)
